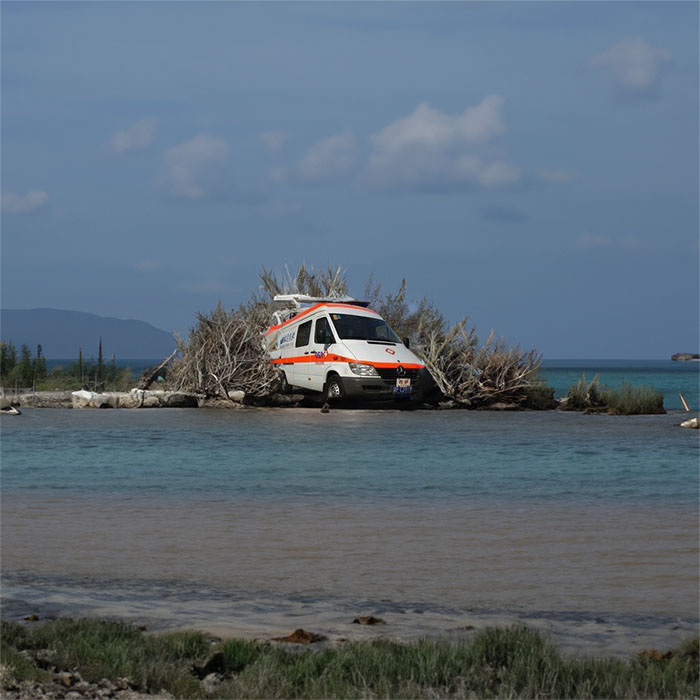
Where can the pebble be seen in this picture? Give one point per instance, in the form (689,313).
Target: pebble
(32,690)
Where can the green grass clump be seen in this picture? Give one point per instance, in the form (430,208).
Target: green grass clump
(585,394)
(105,649)
(15,667)
(626,401)
(633,400)
(539,396)
(496,663)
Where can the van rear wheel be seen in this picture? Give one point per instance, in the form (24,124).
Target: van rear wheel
(283,385)
(334,388)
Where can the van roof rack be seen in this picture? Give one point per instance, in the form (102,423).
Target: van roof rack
(300,301)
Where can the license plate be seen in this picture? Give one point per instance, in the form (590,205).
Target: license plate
(403,386)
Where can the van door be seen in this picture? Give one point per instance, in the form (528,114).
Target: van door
(322,338)
(297,371)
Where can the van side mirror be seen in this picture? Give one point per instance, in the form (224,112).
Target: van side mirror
(406,341)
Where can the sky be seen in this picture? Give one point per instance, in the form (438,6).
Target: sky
(530,165)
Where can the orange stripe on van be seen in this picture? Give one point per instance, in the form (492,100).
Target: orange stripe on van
(300,359)
(313,308)
(393,365)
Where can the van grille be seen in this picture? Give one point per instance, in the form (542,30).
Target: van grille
(392,374)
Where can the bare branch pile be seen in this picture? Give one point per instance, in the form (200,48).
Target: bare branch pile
(477,376)
(325,283)
(467,374)
(224,353)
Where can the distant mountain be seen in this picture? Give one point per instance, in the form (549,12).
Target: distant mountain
(62,333)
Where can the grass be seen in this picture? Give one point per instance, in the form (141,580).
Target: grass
(58,380)
(634,400)
(626,401)
(104,649)
(496,663)
(539,396)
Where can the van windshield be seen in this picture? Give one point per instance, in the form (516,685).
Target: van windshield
(350,327)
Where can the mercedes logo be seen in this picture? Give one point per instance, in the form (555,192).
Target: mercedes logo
(400,371)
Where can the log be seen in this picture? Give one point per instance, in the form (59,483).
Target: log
(150,375)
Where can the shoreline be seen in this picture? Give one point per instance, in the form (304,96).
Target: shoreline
(594,633)
(259,593)
(139,399)
(51,659)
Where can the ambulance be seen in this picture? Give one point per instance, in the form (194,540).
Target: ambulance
(339,348)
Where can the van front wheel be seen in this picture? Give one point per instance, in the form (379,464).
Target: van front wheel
(334,388)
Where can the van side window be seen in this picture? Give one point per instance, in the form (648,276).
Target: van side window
(303,334)
(323,335)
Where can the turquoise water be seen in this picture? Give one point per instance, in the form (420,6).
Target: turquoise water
(254,522)
(429,456)
(666,376)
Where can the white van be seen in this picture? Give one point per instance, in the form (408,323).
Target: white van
(339,348)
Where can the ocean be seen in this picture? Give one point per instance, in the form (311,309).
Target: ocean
(255,522)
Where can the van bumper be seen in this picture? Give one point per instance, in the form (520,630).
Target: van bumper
(423,388)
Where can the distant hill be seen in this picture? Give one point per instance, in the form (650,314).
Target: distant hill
(62,333)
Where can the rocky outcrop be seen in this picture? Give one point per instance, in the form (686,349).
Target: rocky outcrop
(685,357)
(45,399)
(70,685)
(368,620)
(178,399)
(82,398)
(217,402)
(140,398)
(300,636)
(136,398)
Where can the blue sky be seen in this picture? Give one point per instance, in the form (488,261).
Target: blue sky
(533,165)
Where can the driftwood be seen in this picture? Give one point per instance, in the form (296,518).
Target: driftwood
(326,283)
(478,376)
(466,374)
(150,375)
(224,352)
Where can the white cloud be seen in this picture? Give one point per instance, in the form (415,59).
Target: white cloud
(329,158)
(557,177)
(137,137)
(273,140)
(193,165)
(429,149)
(14,203)
(589,241)
(633,65)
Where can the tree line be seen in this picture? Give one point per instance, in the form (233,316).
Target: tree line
(25,369)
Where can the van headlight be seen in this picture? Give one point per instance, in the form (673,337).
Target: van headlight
(363,370)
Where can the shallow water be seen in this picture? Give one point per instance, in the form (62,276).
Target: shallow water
(255,522)
(666,376)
